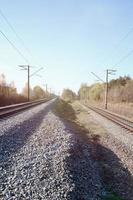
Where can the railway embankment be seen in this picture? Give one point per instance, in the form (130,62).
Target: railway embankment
(112,149)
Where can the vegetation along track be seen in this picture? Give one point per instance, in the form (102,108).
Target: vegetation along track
(7,111)
(119,120)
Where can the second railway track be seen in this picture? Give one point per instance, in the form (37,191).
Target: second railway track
(119,120)
(7,111)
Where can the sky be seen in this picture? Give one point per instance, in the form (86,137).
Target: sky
(68,38)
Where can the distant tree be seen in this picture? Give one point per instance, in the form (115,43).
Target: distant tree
(8,93)
(12,89)
(120,90)
(2,80)
(68,95)
(25,91)
(95,91)
(121,81)
(38,92)
(128,91)
(84,91)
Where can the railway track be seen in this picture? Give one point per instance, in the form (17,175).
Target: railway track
(7,111)
(117,119)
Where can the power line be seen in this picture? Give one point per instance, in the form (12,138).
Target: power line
(13,30)
(124,37)
(120,41)
(124,57)
(35,73)
(98,77)
(16,34)
(14,47)
(129,53)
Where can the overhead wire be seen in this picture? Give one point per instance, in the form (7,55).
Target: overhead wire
(124,57)
(124,38)
(14,31)
(119,43)
(17,35)
(14,47)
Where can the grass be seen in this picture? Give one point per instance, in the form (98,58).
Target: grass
(64,110)
(123,108)
(111,197)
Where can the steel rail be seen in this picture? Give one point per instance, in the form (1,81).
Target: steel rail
(119,120)
(7,111)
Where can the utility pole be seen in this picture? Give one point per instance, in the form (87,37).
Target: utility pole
(111,72)
(108,71)
(46,88)
(49,91)
(27,68)
(106,90)
(28,83)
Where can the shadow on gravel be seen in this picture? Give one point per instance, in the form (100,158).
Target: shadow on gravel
(88,158)
(15,138)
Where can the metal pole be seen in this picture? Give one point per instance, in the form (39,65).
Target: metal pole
(106,90)
(50,92)
(46,88)
(28,83)
(111,72)
(27,67)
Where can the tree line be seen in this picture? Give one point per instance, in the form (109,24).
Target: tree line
(9,94)
(119,90)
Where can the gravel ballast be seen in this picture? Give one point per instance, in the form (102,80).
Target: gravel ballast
(41,157)
(115,151)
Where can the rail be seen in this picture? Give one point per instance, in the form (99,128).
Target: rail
(12,109)
(117,119)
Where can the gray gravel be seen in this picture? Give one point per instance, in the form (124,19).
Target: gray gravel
(42,158)
(116,151)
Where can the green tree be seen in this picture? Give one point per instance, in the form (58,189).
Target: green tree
(25,91)
(38,92)
(84,92)
(68,95)
(95,91)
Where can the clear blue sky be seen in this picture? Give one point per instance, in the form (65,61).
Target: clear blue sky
(69,38)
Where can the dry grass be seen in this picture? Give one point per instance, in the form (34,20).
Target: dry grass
(87,121)
(64,110)
(4,101)
(125,109)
